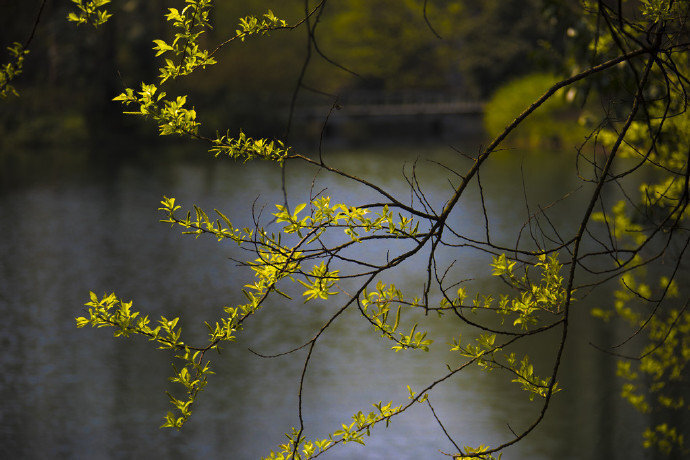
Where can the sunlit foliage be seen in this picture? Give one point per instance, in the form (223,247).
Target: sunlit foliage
(12,69)
(640,56)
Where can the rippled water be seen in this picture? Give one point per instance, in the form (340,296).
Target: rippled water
(80,393)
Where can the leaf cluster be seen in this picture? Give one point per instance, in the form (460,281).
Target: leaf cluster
(109,311)
(91,12)
(12,69)
(299,448)
(188,24)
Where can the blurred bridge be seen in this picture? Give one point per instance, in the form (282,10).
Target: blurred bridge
(399,104)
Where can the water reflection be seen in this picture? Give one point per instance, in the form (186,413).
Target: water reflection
(82,394)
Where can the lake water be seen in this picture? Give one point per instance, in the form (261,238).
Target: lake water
(80,393)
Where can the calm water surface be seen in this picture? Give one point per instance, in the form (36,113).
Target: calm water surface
(80,393)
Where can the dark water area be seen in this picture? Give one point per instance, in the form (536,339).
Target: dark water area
(81,225)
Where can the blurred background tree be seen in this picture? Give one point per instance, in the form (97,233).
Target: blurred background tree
(386,46)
